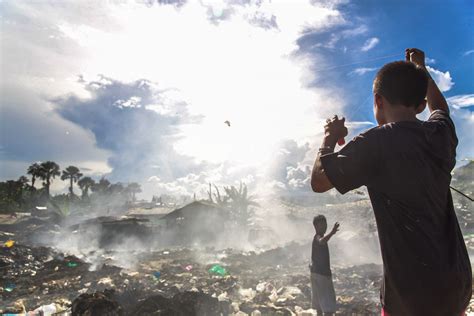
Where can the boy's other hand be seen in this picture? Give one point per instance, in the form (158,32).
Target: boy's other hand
(335,229)
(335,129)
(416,56)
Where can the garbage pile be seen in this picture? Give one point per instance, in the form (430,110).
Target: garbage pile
(177,282)
(141,278)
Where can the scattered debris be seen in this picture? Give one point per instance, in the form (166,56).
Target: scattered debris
(185,279)
(185,303)
(96,304)
(72,264)
(274,282)
(9,243)
(9,287)
(218,270)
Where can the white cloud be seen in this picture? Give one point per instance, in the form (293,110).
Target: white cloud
(460,101)
(369,44)
(30,131)
(464,122)
(359,30)
(209,66)
(132,102)
(430,61)
(469,52)
(337,36)
(362,71)
(442,79)
(299,177)
(198,182)
(225,62)
(357,124)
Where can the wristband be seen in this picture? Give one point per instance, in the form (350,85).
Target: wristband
(325,150)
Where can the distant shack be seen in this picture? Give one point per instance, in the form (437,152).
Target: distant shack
(199,221)
(114,230)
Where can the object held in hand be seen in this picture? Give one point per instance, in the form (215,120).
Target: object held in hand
(335,128)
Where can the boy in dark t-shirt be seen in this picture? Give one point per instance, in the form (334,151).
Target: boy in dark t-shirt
(323,297)
(405,164)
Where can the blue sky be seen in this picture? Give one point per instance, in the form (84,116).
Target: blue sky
(444,29)
(139,90)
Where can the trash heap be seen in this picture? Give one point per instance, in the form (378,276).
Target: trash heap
(140,278)
(177,282)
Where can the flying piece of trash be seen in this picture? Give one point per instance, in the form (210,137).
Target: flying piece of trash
(227,122)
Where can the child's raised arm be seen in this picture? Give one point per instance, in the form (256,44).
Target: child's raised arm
(436,100)
(328,236)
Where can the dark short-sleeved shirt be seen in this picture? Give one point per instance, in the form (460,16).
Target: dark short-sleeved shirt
(320,257)
(406,168)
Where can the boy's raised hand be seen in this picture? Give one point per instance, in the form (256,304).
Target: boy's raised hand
(335,129)
(416,56)
(335,229)
(435,98)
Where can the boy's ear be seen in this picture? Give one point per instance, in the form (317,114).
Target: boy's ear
(421,107)
(378,100)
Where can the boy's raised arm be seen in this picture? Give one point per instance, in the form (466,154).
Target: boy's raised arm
(333,130)
(328,236)
(436,100)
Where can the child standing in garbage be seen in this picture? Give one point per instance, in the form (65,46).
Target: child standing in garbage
(406,166)
(323,298)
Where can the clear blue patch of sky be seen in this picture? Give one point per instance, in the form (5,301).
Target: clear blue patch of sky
(444,29)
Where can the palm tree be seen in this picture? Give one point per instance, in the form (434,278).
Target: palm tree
(219,199)
(23,181)
(12,190)
(85,184)
(101,187)
(241,201)
(49,170)
(116,188)
(73,175)
(134,188)
(35,171)
(22,184)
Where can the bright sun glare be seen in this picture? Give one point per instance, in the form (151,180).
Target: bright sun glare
(227,70)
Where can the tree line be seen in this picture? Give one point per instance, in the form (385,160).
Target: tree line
(23,193)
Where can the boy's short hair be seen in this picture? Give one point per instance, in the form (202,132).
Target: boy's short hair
(318,219)
(402,82)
